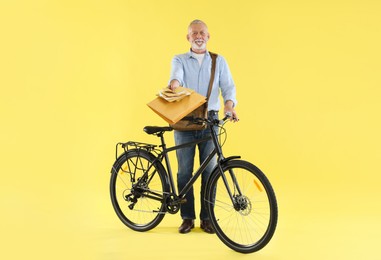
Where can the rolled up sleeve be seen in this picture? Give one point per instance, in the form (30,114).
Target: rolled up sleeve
(177,70)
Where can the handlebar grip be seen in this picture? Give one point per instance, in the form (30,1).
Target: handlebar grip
(227,116)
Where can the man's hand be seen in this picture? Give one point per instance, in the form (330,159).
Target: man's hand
(229,108)
(174,84)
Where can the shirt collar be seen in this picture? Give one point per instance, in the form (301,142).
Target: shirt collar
(190,54)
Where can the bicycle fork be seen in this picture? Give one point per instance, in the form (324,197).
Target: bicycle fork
(234,197)
(233,189)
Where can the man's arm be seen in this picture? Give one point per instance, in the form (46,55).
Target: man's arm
(228,90)
(177,73)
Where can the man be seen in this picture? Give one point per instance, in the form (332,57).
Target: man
(193,70)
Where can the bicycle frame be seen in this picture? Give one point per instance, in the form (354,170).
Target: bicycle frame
(216,150)
(199,171)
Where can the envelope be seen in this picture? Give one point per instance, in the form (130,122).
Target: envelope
(172,112)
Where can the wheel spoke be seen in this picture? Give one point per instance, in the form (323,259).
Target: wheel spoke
(246,223)
(137,190)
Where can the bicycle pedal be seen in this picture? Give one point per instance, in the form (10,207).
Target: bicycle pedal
(183,201)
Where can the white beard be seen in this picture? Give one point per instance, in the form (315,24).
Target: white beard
(195,46)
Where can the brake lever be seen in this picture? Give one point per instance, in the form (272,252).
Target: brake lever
(227,116)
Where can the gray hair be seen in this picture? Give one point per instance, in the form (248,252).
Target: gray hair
(197,22)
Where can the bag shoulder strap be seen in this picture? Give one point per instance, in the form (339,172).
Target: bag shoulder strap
(213,72)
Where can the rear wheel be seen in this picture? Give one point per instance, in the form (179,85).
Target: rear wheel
(248,223)
(137,189)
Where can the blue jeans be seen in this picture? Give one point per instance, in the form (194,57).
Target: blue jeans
(185,159)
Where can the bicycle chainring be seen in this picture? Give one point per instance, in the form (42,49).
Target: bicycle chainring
(172,204)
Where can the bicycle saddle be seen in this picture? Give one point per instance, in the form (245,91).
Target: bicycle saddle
(156,129)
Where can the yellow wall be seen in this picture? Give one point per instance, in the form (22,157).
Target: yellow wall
(75,77)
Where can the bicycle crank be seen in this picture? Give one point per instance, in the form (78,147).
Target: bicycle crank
(173,203)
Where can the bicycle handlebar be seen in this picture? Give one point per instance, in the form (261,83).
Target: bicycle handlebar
(219,122)
(212,122)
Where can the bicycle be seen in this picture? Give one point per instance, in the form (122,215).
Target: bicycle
(241,202)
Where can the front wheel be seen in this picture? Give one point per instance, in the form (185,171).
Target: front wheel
(245,220)
(138,186)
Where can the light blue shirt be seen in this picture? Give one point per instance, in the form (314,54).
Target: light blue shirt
(186,69)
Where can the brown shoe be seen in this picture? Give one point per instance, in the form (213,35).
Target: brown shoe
(186,226)
(207,226)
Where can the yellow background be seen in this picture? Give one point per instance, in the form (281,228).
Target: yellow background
(75,77)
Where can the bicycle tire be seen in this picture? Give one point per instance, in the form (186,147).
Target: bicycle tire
(146,213)
(248,225)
